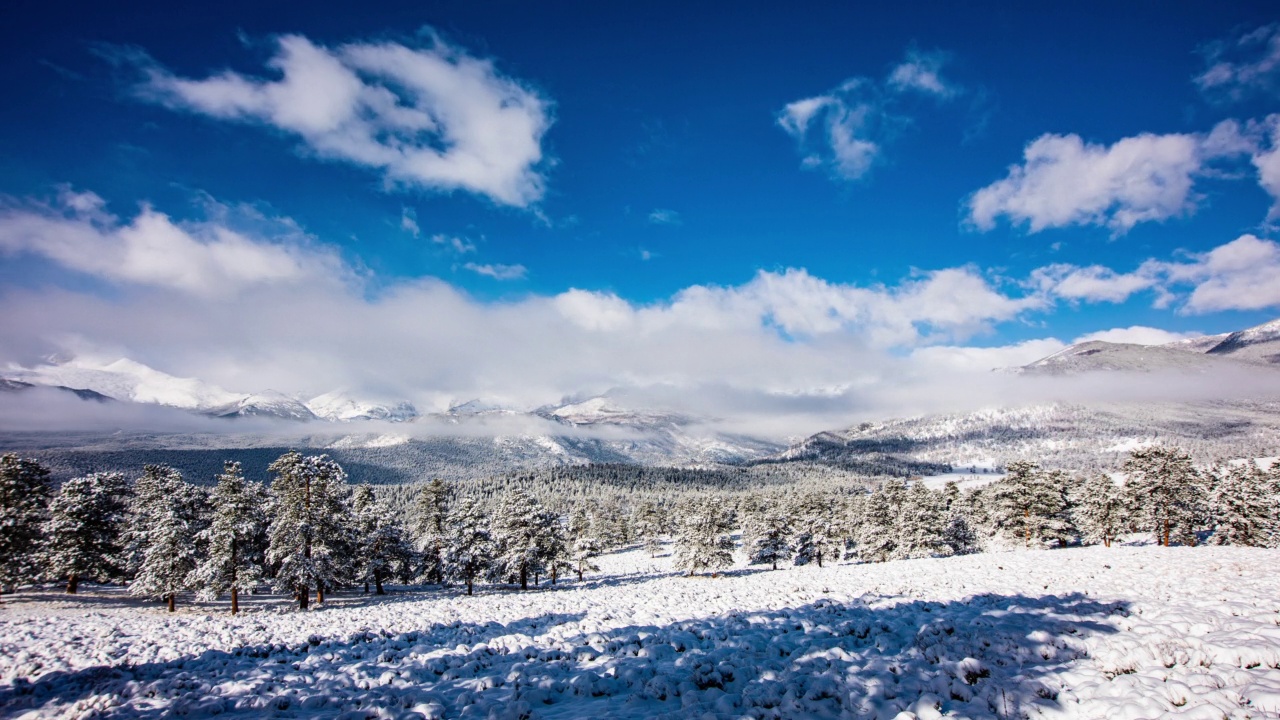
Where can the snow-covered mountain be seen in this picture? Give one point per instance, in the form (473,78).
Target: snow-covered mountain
(265,404)
(340,406)
(128,381)
(1259,343)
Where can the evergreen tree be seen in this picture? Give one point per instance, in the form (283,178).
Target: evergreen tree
(1100,511)
(1165,495)
(152,495)
(24,506)
(468,548)
(1242,511)
(816,534)
(553,547)
(705,539)
(518,537)
(766,535)
(382,551)
(646,526)
(430,515)
(234,540)
(959,536)
(585,545)
(308,536)
(83,530)
(1030,506)
(169,555)
(878,538)
(921,525)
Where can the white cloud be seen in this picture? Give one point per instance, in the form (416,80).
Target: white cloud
(459,245)
(922,72)
(661,216)
(1136,334)
(837,130)
(498,271)
(985,359)
(1092,284)
(409,222)
(432,117)
(1066,181)
(206,258)
(1243,65)
(1267,162)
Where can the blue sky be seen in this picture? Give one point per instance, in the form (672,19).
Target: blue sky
(843,178)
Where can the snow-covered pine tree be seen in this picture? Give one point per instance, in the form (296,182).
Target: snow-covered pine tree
(234,546)
(553,547)
(382,551)
(704,540)
(82,535)
(816,533)
(922,524)
(1030,506)
(24,508)
(468,548)
(646,525)
(1100,510)
(959,535)
(152,495)
(766,534)
(308,537)
(1164,494)
(517,535)
(169,555)
(1242,511)
(878,531)
(431,510)
(610,523)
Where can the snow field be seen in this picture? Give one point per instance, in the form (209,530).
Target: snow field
(1121,633)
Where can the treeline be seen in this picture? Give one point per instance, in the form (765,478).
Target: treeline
(311,532)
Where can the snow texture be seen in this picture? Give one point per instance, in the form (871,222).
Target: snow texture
(1121,633)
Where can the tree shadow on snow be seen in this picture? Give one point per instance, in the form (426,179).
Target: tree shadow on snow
(987,655)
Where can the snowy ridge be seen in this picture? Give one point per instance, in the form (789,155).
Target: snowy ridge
(1122,632)
(340,406)
(129,381)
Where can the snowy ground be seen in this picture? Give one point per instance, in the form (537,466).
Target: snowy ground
(1120,633)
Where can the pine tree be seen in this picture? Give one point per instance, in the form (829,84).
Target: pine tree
(24,508)
(959,536)
(308,536)
(1100,511)
(1165,495)
(83,530)
(169,554)
(517,534)
(705,539)
(152,495)
(382,551)
(766,535)
(815,531)
(234,539)
(878,538)
(429,530)
(1242,512)
(468,548)
(921,525)
(553,547)
(646,525)
(585,545)
(1030,506)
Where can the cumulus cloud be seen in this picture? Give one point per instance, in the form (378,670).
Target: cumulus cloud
(497,271)
(206,258)
(432,117)
(1065,181)
(845,129)
(1243,65)
(922,72)
(459,245)
(1094,283)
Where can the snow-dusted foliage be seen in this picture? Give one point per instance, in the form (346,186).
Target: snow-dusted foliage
(1100,511)
(308,537)
(82,534)
(468,548)
(877,539)
(648,524)
(430,512)
(817,533)
(1242,506)
(766,535)
(235,541)
(167,517)
(1165,494)
(704,540)
(518,537)
(923,524)
(382,551)
(1031,508)
(24,506)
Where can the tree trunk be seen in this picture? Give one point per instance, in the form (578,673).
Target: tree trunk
(377,582)
(366,587)
(1026,518)
(304,598)
(235,600)
(1166,533)
(579,572)
(320,594)
(169,598)
(554,572)
(468,584)
(73,584)
(775,563)
(524,577)
(819,559)
(1106,542)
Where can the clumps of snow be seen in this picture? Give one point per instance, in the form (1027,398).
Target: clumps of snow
(1095,632)
(351,442)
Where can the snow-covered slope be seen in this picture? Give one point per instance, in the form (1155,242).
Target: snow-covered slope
(338,405)
(265,404)
(129,381)
(1098,355)
(1122,633)
(1260,343)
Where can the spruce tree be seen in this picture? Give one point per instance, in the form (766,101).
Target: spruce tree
(468,548)
(1165,494)
(382,551)
(959,536)
(308,537)
(766,536)
(169,556)
(82,535)
(1242,511)
(517,535)
(152,495)
(815,533)
(24,508)
(705,537)
(233,561)
(1100,510)
(878,537)
(431,511)
(921,525)
(553,547)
